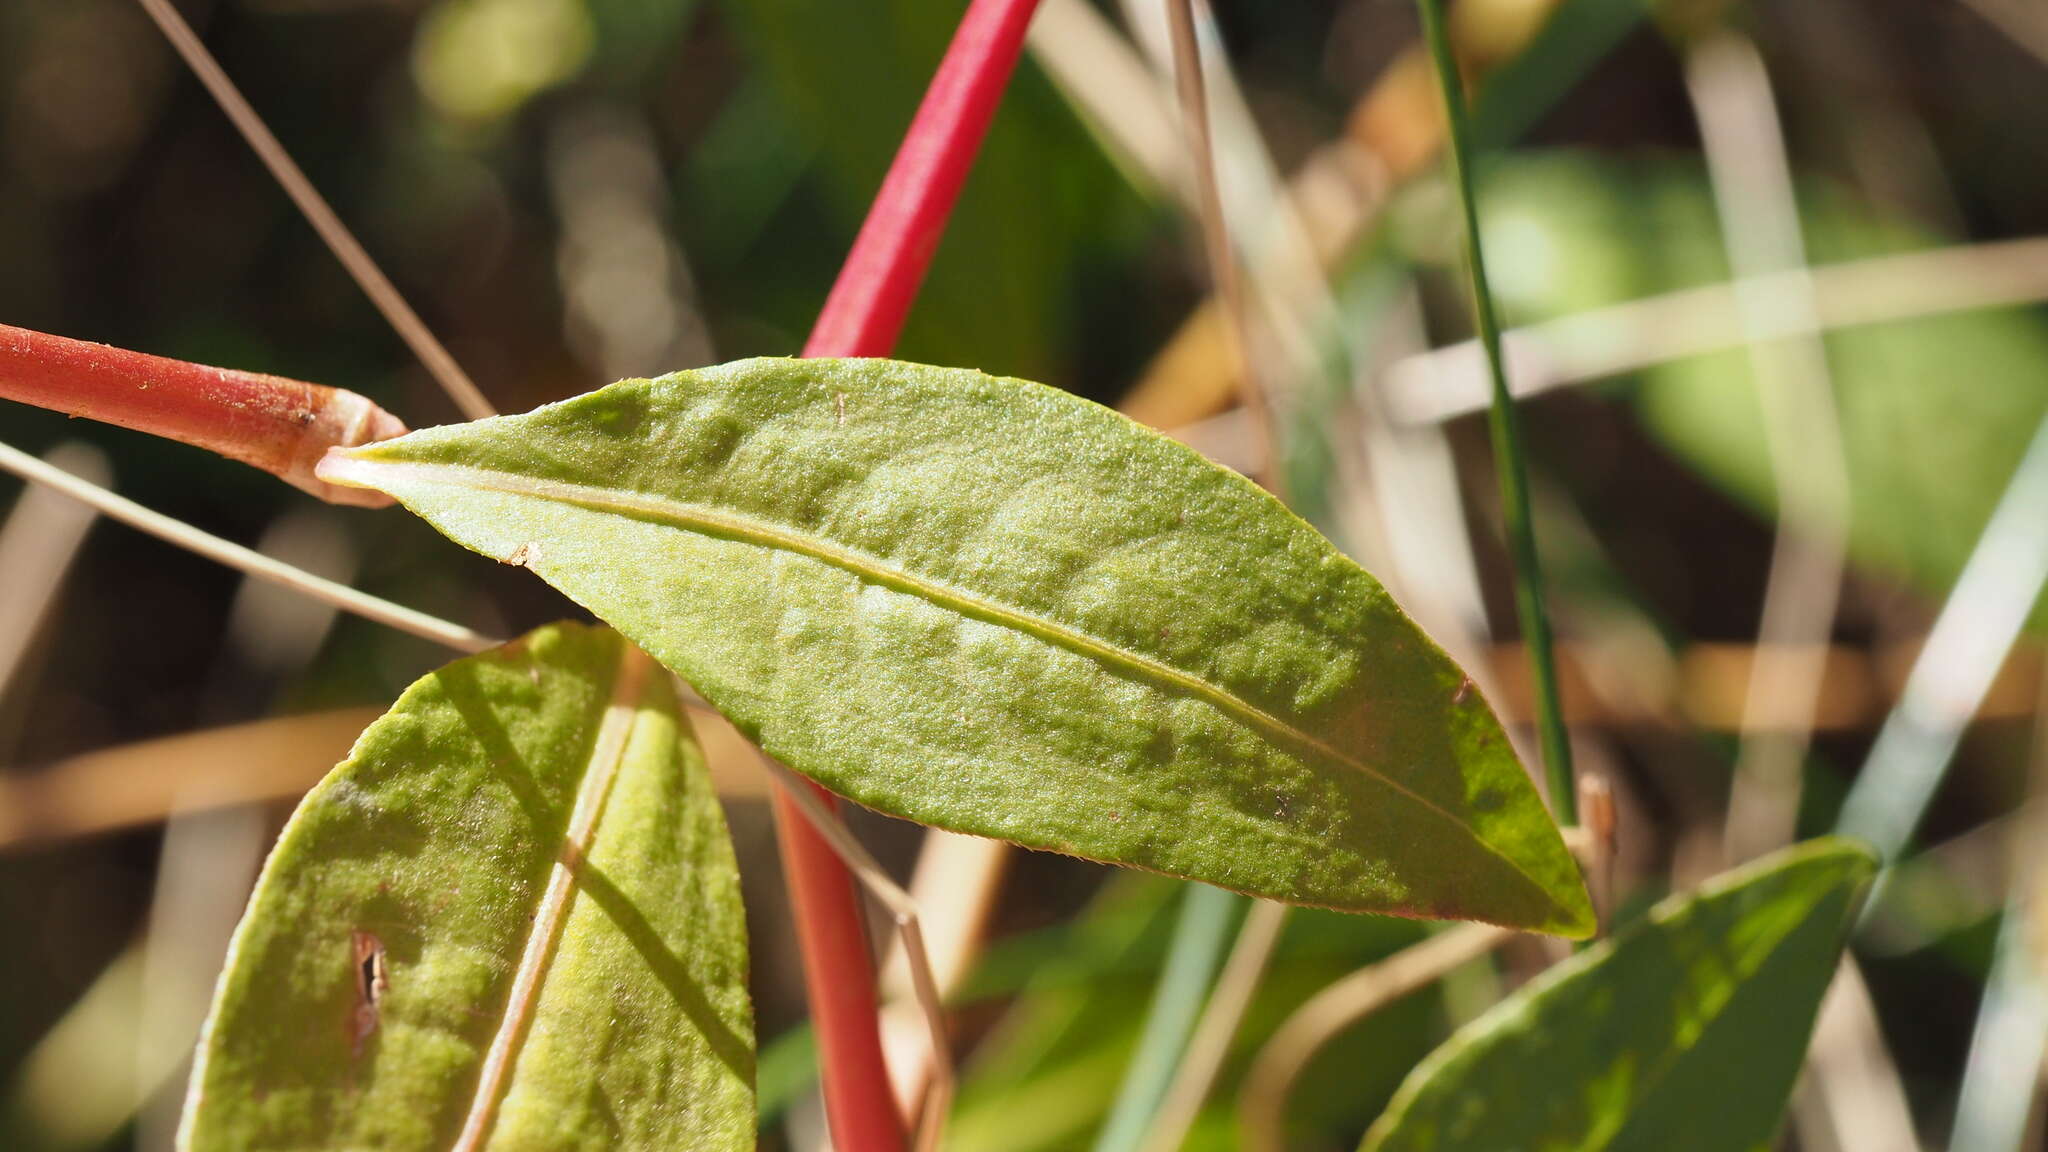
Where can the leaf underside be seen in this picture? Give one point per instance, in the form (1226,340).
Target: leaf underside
(1684,1033)
(994,607)
(521,867)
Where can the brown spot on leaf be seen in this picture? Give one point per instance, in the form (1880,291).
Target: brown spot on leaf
(524,556)
(373,981)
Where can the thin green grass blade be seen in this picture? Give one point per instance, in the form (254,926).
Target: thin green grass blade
(1201,932)
(1506,427)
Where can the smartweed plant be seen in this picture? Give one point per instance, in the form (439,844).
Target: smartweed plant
(511,917)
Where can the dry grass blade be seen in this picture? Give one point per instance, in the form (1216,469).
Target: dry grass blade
(2002,1076)
(378,287)
(1277,307)
(255,762)
(1597,855)
(1223,273)
(954,888)
(204,873)
(1450,382)
(2024,24)
(41,536)
(1751,177)
(242,559)
(144,782)
(902,911)
(1220,1019)
(1337,193)
(1851,1099)
(1090,61)
(1978,625)
(1262,1101)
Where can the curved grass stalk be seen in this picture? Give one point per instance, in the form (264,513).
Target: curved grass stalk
(1262,1101)
(954,887)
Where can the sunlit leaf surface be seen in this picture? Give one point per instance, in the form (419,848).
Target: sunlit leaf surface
(991,606)
(1683,1034)
(510,919)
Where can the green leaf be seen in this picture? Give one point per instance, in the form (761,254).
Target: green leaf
(994,607)
(1682,1034)
(513,911)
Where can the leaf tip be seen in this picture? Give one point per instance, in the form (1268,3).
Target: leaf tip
(1574,918)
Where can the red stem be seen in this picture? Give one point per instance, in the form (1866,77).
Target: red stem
(881,275)
(862,317)
(281,426)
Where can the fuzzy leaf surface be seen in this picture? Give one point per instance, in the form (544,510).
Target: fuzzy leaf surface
(1682,1034)
(522,865)
(994,607)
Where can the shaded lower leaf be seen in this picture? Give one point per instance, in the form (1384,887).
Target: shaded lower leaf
(1682,1034)
(511,918)
(994,607)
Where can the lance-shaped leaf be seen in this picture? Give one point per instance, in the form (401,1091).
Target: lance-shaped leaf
(994,607)
(1682,1034)
(510,919)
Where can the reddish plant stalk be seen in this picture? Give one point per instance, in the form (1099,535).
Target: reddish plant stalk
(862,317)
(881,275)
(279,425)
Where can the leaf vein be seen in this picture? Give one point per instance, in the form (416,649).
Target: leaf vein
(358,469)
(607,751)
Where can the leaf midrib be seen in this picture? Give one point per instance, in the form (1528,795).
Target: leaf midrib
(537,953)
(349,468)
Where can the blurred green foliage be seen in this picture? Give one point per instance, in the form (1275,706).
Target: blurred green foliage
(1935,412)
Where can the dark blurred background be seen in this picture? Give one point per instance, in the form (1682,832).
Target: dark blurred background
(574,191)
